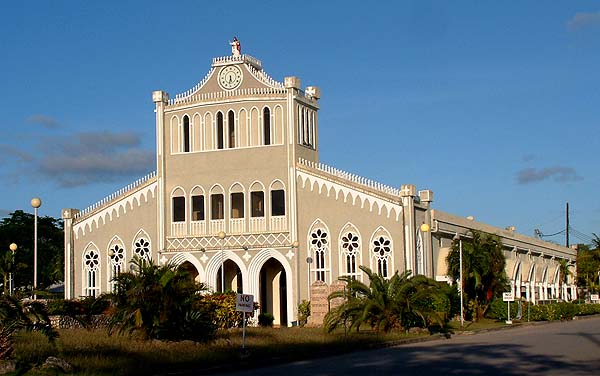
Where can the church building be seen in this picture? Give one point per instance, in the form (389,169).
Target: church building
(241,200)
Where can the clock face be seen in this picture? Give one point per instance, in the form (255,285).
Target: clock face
(230,77)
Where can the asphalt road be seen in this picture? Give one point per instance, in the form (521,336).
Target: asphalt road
(562,348)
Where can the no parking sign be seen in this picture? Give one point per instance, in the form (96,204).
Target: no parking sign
(244,303)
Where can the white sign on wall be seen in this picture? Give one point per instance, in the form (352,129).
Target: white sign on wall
(508,297)
(595,297)
(244,303)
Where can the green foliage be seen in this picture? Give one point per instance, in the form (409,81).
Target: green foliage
(16,316)
(303,312)
(588,266)
(484,276)
(386,304)
(541,312)
(18,228)
(222,305)
(160,302)
(499,309)
(266,319)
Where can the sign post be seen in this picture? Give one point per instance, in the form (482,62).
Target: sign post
(508,297)
(244,303)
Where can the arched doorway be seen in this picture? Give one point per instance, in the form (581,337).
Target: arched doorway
(190,269)
(232,277)
(273,291)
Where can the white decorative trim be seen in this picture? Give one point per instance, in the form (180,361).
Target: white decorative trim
(118,207)
(213,266)
(181,257)
(254,277)
(349,194)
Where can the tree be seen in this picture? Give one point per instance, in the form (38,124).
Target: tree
(16,316)
(588,266)
(386,304)
(484,277)
(160,302)
(563,271)
(18,228)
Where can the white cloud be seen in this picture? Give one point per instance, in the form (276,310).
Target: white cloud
(93,157)
(45,121)
(559,174)
(582,20)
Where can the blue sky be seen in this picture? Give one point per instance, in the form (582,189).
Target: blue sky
(495,106)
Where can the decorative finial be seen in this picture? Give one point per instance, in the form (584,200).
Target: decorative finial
(236,47)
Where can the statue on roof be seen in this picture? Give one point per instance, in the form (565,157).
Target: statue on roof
(236,47)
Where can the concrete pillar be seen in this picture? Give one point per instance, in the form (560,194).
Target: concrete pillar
(68,215)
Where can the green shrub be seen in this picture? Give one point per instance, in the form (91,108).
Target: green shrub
(499,310)
(222,305)
(303,312)
(265,319)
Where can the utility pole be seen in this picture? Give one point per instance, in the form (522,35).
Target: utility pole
(567,229)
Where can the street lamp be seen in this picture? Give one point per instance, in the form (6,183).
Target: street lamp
(458,238)
(309,260)
(13,248)
(35,203)
(222,236)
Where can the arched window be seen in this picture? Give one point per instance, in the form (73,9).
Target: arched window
(237,201)
(319,247)
(220,138)
(267,126)
(231,125)
(142,248)
(197,204)
(116,262)
(277,199)
(186,134)
(257,200)
(350,252)
(178,201)
(217,203)
(91,267)
(381,253)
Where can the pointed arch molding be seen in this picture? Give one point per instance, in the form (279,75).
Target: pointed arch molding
(254,275)
(115,210)
(349,195)
(212,268)
(181,257)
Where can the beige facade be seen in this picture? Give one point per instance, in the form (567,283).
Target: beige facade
(239,187)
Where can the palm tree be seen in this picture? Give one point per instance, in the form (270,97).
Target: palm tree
(159,302)
(386,304)
(16,316)
(563,273)
(484,276)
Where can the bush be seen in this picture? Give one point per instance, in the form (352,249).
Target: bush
(546,312)
(499,310)
(265,319)
(160,302)
(303,312)
(222,306)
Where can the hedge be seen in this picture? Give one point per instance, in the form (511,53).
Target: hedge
(545,312)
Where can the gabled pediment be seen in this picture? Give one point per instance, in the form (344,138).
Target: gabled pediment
(231,76)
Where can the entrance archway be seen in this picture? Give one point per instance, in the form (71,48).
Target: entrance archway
(273,291)
(190,268)
(232,277)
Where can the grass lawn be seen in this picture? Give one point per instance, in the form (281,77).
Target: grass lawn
(477,325)
(96,353)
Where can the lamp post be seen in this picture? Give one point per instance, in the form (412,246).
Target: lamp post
(35,203)
(462,316)
(13,248)
(222,236)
